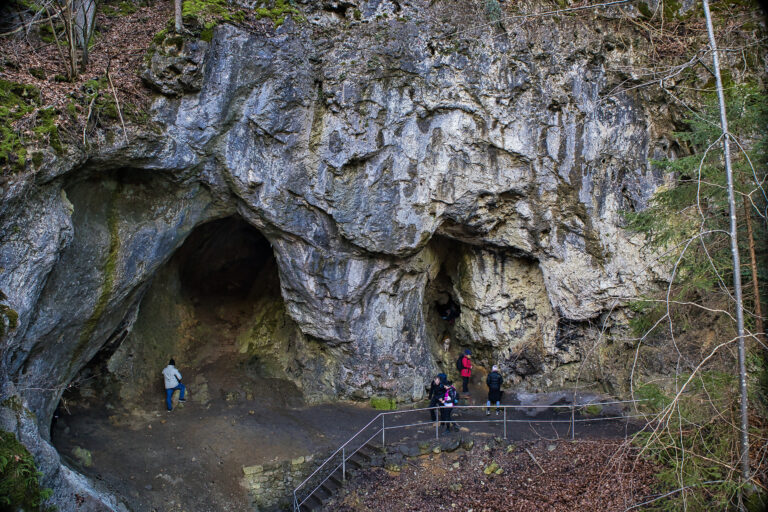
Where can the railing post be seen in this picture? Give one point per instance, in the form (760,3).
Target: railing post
(344,464)
(383,430)
(295,502)
(505,422)
(437,423)
(573,421)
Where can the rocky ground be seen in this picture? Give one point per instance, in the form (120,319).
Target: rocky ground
(559,475)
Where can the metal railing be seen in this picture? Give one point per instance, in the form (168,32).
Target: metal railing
(378,427)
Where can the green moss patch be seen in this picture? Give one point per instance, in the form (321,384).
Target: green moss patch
(204,15)
(278,10)
(382,403)
(19,478)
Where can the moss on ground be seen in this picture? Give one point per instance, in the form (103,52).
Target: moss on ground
(118,9)
(23,123)
(279,10)
(383,403)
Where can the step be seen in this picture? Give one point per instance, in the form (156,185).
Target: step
(328,489)
(312,503)
(336,480)
(355,464)
(366,455)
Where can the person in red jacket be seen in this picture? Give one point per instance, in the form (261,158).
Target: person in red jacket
(466,370)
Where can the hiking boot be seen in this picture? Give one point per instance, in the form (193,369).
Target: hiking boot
(182,400)
(168,410)
(497,412)
(488,412)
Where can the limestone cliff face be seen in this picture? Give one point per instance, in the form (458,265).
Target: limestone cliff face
(416,153)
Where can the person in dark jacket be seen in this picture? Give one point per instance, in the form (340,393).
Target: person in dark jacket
(466,370)
(436,392)
(494,382)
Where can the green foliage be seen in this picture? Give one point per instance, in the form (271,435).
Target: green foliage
(696,443)
(16,102)
(278,10)
(23,122)
(647,315)
(19,479)
(689,220)
(593,410)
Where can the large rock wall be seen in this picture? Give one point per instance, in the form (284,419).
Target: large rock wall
(350,145)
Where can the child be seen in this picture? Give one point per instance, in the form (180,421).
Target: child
(448,401)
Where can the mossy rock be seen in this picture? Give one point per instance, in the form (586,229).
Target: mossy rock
(593,410)
(492,468)
(83,456)
(381,403)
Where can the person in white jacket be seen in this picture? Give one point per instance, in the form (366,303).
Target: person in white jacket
(172,378)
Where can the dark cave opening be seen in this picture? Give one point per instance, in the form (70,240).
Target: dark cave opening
(441,304)
(225,258)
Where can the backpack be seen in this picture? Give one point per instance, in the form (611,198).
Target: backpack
(450,395)
(460,362)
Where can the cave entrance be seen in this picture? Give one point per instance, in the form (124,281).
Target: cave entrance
(231,330)
(216,308)
(441,306)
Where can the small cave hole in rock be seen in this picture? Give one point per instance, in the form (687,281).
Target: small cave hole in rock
(216,308)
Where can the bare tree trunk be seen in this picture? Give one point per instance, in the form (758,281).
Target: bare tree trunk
(744,455)
(85,16)
(177,12)
(759,327)
(58,45)
(69,25)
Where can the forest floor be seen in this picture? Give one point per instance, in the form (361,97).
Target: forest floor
(120,44)
(542,475)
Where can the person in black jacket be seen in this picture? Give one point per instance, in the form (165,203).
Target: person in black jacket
(436,392)
(494,382)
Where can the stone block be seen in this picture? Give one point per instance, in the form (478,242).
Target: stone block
(252,470)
